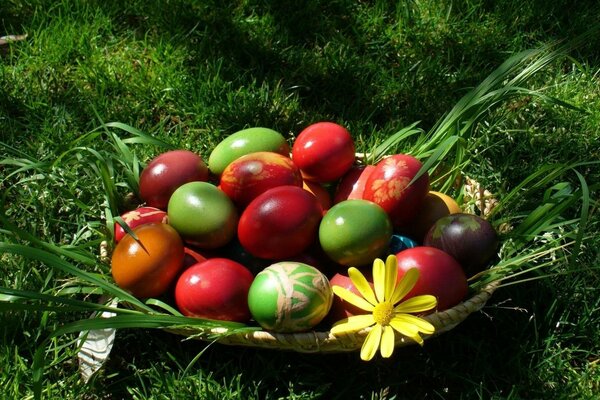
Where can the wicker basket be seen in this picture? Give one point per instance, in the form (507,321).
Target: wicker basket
(325,342)
(480,200)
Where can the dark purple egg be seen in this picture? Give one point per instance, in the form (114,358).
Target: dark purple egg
(470,239)
(167,172)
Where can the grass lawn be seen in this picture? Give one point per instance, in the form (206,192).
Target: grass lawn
(191,73)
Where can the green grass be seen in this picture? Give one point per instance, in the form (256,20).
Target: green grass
(189,73)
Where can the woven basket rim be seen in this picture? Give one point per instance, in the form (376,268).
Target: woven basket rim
(325,342)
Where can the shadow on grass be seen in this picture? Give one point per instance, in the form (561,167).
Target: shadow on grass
(490,354)
(354,62)
(398,63)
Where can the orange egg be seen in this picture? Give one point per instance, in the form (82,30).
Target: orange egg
(435,206)
(146,267)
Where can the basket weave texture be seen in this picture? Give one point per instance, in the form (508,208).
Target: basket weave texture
(325,342)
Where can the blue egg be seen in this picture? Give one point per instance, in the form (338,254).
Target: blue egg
(399,243)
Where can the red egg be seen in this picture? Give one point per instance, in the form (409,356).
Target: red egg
(168,171)
(341,309)
(324,151)
(137,217)
(250,175)
(215,289)
(280,223)
(388,186)
(440,275)
(352,184)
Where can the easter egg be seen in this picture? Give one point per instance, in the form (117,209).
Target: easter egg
(215,289)
(340,308)
(440,275)
(470,239)
(167,172)
(253,174)
(324,151)
(146,267)
(399,243)
(355,232)
(388,186)
(137,217)
(203,215)
(289,297)
(280,223)
(352,184)
(244,142)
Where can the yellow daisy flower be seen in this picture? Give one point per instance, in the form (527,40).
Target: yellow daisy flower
(385,316)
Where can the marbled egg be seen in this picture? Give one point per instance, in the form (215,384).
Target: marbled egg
(289,297)
(137,217)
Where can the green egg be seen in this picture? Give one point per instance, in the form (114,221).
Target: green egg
(203,215)
(244,142)
(355,232)
(289,297)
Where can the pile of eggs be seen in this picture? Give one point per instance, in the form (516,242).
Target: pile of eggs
(262,231)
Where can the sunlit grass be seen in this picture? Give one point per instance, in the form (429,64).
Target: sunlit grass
(189,74)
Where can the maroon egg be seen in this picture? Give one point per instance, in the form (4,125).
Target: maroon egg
(282,222)
(166,172)
(137,217)
(470,239)
(215,289)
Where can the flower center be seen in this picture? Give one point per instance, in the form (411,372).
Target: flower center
(383,313)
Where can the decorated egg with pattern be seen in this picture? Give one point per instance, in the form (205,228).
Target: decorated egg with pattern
(253,174)
(288,297)
(137,217)
(389,186)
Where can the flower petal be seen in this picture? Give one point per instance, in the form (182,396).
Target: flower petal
(391,275)
(379,278)
(361,283)
(417,304)
(352,324)
(388,340)
(371,344)
(405,285)
(407,329)
(419,323)
(353,299)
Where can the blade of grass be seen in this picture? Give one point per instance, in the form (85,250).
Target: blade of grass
(585,209)
(58,263)
(43,300)
(391,142)
(436,154)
